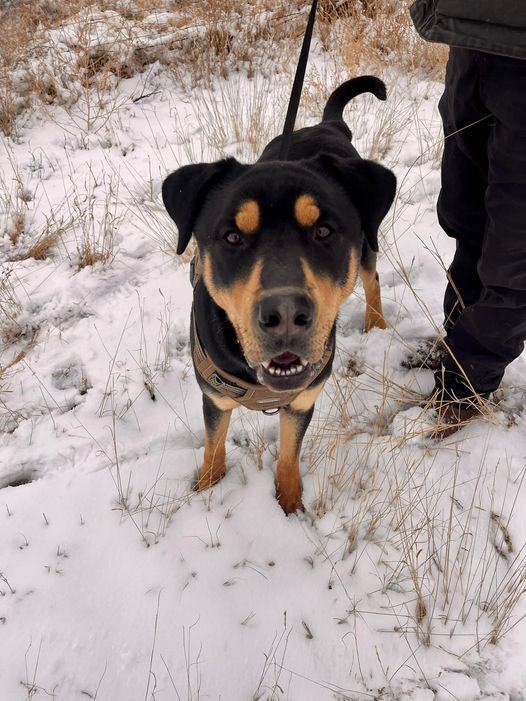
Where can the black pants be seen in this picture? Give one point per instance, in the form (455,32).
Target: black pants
(482,205)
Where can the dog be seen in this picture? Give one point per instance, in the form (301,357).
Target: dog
(280,245)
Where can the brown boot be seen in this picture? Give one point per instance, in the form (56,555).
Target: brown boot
(454,415)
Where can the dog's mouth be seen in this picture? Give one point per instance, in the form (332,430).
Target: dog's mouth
(286,371)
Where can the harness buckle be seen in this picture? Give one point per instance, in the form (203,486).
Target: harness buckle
(220,384)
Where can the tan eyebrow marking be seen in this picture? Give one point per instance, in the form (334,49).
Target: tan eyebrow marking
(248,217)
(306,210)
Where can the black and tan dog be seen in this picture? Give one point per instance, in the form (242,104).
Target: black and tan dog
(280,246)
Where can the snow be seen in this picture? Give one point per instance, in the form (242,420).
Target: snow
(117,581)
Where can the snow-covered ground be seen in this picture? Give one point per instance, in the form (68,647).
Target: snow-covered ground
(404,578)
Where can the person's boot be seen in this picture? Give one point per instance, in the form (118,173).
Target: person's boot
(452,414)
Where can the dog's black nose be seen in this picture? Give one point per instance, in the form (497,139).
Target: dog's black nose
(285,316)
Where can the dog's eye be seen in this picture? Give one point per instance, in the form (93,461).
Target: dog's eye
(233,238)
(322,232)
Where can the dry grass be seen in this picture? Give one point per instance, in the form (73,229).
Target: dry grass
(17,228)
(75,53)
(441,539)
(56,53)
(16,340)
(22,238)
(97,222)
(37,247)
(225,37)
(47,239)
(10,308)
(378,34)
(244,129)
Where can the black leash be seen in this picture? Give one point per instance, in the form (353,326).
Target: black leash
(295,94)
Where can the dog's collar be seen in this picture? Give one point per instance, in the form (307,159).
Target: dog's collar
(248,394)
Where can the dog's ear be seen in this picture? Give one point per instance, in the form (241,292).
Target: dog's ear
(185,191)
(370,186)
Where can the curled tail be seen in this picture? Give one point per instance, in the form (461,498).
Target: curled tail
(342,95)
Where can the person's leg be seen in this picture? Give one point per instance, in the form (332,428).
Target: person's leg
(463,282)
(490,333)
(461,210)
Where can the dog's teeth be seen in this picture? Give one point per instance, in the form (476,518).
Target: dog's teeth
(285,372)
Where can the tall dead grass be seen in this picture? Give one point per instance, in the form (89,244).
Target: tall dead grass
(54,52)
(60,53)
(377,35)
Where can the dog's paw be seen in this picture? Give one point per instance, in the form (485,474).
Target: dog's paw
(207,478)
(373,320)
(290,503)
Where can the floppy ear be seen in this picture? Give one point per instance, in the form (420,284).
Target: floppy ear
(370,186)
(185,191)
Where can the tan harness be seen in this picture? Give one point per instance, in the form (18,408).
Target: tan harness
(252,396)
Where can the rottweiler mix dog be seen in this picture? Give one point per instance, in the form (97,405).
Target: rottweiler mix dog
(280,245)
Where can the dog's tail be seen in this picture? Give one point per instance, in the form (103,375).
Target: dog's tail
(356,86)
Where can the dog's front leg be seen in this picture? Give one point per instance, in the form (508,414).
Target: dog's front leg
(216,427)
(374,316)
(292,427)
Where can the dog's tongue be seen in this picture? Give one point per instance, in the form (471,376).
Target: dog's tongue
(285,359)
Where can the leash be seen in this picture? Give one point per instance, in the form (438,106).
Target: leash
(295,94)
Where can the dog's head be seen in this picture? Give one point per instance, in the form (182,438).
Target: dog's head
(280,246)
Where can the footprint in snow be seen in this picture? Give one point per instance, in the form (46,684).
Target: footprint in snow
(70,375)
